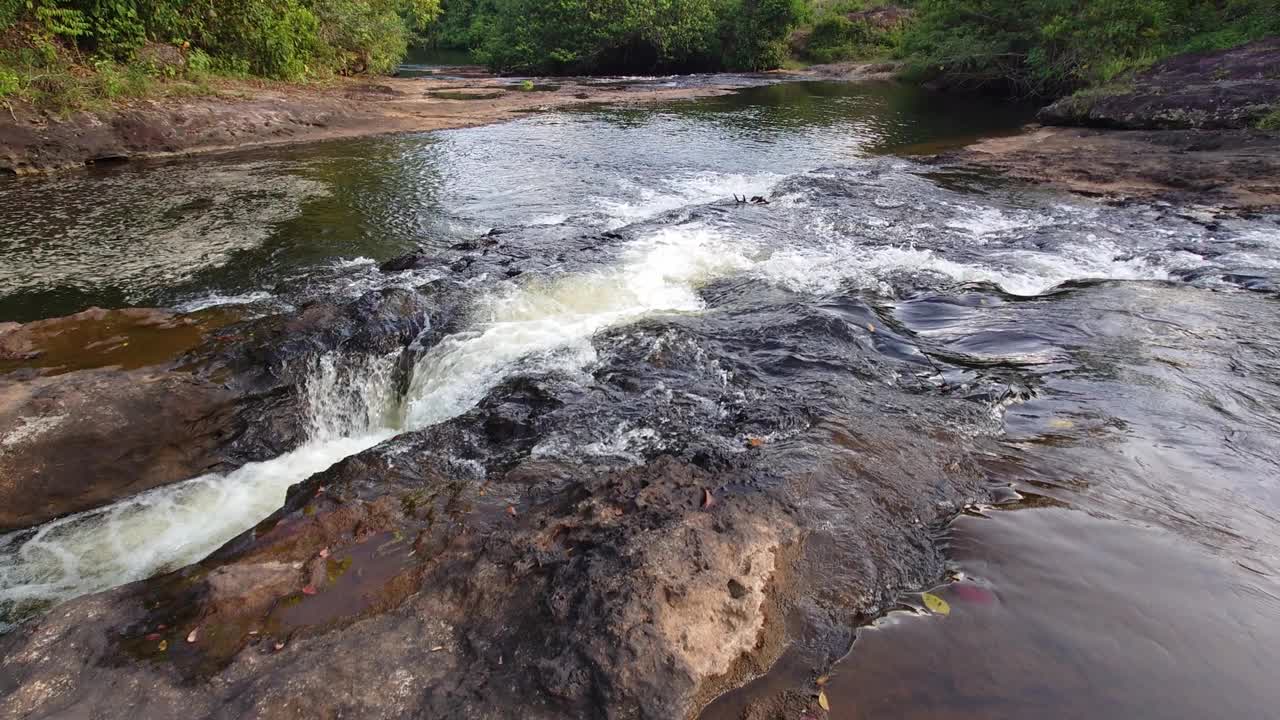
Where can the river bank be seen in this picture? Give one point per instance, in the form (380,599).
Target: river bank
(1196,129)
(245,115)
(535,420)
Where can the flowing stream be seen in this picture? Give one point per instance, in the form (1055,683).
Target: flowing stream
(1125,360)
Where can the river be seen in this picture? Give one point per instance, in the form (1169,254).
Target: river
(1115,369)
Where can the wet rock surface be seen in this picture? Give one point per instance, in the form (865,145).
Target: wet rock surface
(460,572)
(80,440)
(1235,170)
(1228,89)
(72,441)
(655,520)
(627,543)
(1182,131)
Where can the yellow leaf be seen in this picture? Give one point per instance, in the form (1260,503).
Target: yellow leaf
(1062,424)
(164,645)
(936,604)
(822,701)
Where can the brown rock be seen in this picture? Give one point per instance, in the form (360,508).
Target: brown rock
(78,440)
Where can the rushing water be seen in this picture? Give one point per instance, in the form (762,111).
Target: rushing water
(1118,364)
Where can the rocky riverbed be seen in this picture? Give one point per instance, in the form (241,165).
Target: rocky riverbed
(539,420)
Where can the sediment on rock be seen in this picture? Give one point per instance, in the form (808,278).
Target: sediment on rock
(1234,171)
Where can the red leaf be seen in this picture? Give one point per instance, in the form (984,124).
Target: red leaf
(309,590)
(972,594)
(708,499)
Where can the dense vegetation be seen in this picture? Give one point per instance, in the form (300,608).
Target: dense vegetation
(62,52)
(586,36)
(1051,46)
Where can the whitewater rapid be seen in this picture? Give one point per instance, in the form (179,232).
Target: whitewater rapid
(547,323)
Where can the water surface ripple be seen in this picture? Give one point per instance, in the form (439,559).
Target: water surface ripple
(1119,367)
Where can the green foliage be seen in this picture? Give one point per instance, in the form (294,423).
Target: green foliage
(1270,121)
(838,38)
(10,83)
(595,36)
(287,39)
(57,20)
(1051,46)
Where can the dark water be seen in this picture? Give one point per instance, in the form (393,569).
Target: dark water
(1118,368)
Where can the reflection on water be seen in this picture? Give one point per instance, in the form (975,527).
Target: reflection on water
(1120,363)
(172,233)
(1078,618)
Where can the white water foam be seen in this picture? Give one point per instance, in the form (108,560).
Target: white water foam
(700,188)
(352,408)
(829,260)
(204,302)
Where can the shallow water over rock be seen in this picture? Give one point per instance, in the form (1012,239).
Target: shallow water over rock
(609,355)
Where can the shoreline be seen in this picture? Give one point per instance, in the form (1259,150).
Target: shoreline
(1228,171)
(245,116)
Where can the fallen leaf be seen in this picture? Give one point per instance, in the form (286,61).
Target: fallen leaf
(755,442)
(324,552)
(1061,424)
(279,646)
(194,634)
(707,499)
(309,590)
(936,604)
(511,510)
(823,680)
(822,701)
(871,328)
(164,645)
(162,626)
(437,648)
(254,632)
(154,636)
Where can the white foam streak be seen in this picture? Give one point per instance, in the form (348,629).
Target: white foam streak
(552,323)
(673,194)
(352,405)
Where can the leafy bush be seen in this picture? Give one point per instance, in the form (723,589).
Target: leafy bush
(10,83)
(1053,46)
(602,36)
(288,39)
(1270,121)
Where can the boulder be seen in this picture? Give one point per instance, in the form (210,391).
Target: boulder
(1233,88)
